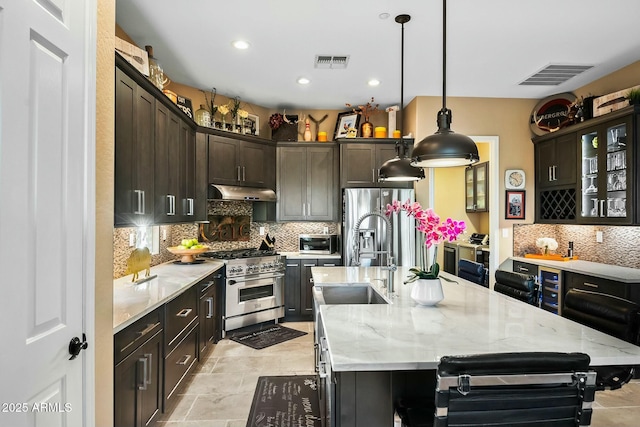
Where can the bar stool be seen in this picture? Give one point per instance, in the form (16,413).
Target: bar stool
(517,285)
(609,314)
(509,389)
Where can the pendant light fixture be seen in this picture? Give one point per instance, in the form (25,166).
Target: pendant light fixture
(444,148)
(400,168)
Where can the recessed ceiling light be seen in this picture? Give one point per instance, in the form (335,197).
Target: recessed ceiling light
(304,81)
(240,44)
(374,82)
(383,15)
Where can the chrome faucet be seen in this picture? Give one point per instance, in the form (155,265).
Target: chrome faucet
(367,237)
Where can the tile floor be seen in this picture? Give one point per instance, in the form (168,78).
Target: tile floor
(220,391)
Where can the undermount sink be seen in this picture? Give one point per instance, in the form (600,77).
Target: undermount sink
(348,294)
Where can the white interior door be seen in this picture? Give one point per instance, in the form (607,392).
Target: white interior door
(47,197)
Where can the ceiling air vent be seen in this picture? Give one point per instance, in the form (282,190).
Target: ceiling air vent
(332,61)
(553,75)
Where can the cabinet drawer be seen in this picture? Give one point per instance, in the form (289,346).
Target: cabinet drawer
(130,338)
(525,268)
(329,262)
(179,314)
(595,284)
(207,283)
(178,363)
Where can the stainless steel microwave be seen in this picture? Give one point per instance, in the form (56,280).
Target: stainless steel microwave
(317,243)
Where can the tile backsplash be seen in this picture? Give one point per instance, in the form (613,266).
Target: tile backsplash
(285,233)
(620,245)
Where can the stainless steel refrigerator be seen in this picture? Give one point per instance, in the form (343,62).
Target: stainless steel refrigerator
(373,233)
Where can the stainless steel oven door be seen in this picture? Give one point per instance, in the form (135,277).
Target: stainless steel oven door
(255,293)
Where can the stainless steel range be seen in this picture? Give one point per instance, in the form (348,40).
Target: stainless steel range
(254,286)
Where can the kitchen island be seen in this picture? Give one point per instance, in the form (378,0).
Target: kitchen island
(392,350)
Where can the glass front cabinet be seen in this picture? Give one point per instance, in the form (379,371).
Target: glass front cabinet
(476,186)
(606,173)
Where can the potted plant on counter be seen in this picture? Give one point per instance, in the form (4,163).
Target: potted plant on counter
(427,288)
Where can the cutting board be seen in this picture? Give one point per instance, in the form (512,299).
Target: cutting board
(551,257)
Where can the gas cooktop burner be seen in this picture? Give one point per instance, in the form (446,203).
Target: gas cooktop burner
(239,253)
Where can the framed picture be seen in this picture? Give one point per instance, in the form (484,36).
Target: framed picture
(345,121)
(514,202)
(251,125)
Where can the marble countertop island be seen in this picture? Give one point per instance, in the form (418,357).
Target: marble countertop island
(470,320)
(132,301)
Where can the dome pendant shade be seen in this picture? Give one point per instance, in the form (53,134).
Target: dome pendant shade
(445,148)
(399,169)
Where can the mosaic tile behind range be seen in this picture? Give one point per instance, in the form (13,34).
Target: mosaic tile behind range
(285,233)
(620,245)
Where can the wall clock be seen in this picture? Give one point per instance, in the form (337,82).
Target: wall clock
(514,179)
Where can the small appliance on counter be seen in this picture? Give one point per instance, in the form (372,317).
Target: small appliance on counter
(322,244)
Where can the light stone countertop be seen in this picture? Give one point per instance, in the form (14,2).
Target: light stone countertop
(131,302)
(298,255)
(604,271)
(471,319)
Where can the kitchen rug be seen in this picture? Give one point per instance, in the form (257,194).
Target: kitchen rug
(286,401)
(272,335)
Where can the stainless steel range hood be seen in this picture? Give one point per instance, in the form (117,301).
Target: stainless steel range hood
(249,194)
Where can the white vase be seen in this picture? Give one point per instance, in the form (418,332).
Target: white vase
(427,291)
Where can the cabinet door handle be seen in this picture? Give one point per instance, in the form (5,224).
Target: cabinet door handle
(190,205)
(309,265)
(304,209)
(184,312)
(183,361)
(148,329)
(373,175)
(207,285)
(549,173)
(172,204)
(309,209)
(238,172)
(139,202)
(555,169)
(329,265)
(292,265)
(244,175)
(316,356)
(591,285)
(142,383)
(602,211)
(149,356)
(209,307)
(526,270)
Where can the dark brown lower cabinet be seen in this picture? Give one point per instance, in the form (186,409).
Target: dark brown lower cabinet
(298,284)
(177,366)
(138,385)
(209,312)
(181,328)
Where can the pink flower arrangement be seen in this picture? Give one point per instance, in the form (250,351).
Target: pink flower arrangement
(434,231)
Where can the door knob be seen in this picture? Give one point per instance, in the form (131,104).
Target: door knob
(76,346)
